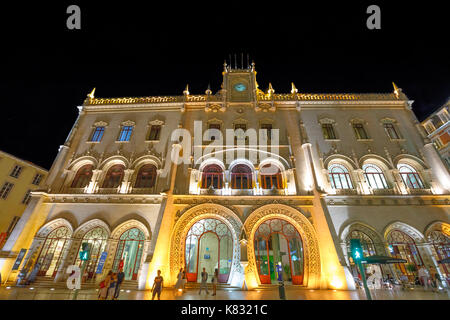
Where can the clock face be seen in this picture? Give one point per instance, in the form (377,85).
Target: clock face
(240,87)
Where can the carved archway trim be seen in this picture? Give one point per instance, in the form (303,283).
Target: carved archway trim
(438,226)
(301,224)
(189,218)
(89,225)
(376,238)
(52,225)
(117,232)
(409,230)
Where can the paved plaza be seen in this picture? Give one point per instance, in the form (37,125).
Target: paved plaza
(15,293)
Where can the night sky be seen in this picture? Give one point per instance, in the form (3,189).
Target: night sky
(128,49)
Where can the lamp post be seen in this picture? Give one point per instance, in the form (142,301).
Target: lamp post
(357,255)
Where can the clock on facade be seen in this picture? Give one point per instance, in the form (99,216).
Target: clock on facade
(239,87)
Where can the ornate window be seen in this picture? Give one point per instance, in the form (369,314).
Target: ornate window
(155,132)
(212,175)
(441,245)
(391,131)
(83,176)
(241,177)
(97,134)
(339,177)
(129,253)
(374,176)
(209,245)
(278,245)
(125,133)
(211,126)
(328,131)
(271,177)
(268,127)
(403,246)
(146,176)
(52,251)
(97,237)
(114,176)
(410,177)
(360,132)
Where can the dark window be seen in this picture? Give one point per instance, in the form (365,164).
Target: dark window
(328,131)
(155,131)
(83,176)
(390,130)
(268,127)
(271,177)
(15,173)
(241,177)
(212,137)
(27,197)
(212,175)
(146,176)
(97,134)
(360,132)
(12,224)
(125,133)
(4,192)
(37,179)
(114,176)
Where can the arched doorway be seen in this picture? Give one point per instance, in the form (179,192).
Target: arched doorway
(129,253)
(278,247)
(209,245)
(52,251)
(441,246)
(98,238)
(368,247)
(402,246)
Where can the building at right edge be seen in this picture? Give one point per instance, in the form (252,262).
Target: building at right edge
(344,166)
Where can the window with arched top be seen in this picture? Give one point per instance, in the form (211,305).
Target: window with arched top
(441,245)
(114,176)
(241,177)
(339,177)
(146,176)
(83,176)
(271,177)
(402,246)
(374,176)
(410,176)
(212,175)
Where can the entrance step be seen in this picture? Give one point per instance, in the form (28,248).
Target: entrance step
(48,282)
(220,286)
(275,286)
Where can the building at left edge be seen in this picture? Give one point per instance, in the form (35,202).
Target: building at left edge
(18,178)
(149,198)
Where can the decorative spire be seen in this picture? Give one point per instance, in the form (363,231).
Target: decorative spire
(397,90)
(253,66)
(225,66)
(91,95)
(294,89)
(270,91)
(186,91)
(208,91)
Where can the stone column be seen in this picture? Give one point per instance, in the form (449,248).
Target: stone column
(66,259)
(163,230)
(128,173)
(438,168)
(334,274)
(93,185)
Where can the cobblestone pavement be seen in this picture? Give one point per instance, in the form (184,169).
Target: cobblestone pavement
(15,293)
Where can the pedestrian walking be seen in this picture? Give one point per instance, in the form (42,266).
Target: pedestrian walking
(112,285)
(120,277)
(104,286)
(434,279)
(33,273)
(204,281)
(179,283)
(215,279)
(157,286)
(423,277)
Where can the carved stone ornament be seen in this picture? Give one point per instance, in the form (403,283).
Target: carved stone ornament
(128,123)
(215,108)
(100,124)
(264,107)
(156,122)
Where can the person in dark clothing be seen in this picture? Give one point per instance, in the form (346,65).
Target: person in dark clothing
(120,277)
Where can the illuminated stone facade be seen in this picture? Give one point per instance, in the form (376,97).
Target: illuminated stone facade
(346,165)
